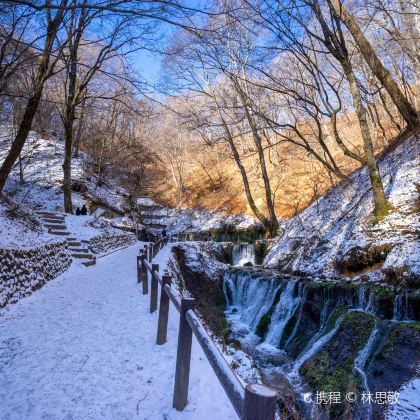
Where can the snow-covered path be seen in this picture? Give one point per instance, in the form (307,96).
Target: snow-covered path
(83,347)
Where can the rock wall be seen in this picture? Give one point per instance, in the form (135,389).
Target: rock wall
(24,271)
(104,244)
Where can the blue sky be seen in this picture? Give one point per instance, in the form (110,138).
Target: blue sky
(149,63)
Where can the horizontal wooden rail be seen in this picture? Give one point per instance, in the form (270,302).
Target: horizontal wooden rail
(250,401)
(232,385)
(174,298)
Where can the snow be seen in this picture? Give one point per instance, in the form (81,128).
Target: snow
(43,174)
(408,406)
(83,346)
(199,259)
(86,227)
(201,220)
(21,231)
(313,240)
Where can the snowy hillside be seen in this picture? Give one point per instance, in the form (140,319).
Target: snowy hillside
(41,190)
(42,161)
(201,220)
(336,235)
(19,227)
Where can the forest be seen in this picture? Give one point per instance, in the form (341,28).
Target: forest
(266,150)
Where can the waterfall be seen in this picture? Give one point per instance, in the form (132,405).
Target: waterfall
(367,305)
(285,309)
(249,297)
(243,253)
(325,313)
(314,348)
(402,310)
(359,364)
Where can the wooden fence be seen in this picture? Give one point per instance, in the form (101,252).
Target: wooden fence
(250,401)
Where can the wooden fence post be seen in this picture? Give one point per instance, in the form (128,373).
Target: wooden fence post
(150,254)
(260,402)
(153,288)
(183,356)
(145,280)
(163,311)
(139,262)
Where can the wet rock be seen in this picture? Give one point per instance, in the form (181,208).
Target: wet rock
(361,258)
(331,370)
(395,362)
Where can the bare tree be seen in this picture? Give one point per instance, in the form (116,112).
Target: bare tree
(378,69)
(47,62)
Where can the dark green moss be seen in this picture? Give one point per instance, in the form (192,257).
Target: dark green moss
(334,315)
(331,370)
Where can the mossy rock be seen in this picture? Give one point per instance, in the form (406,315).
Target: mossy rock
(331,370)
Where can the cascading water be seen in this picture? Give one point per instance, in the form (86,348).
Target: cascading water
(285,308)
(359,364)
(402,310)
(314,348)
(248,298)
(243,254)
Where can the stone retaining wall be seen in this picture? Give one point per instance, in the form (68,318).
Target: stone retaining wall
(104,244)
(24,271)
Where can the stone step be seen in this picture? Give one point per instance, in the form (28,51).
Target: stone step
(71,239)
(89,263)
(73,243)
(78,249)
(48,214)
(56,227)
(53,219)
(58,232)
(87,256)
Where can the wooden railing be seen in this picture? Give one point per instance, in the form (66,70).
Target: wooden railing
(250,401)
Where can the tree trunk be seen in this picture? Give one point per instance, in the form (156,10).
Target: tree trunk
(68,129)
(44,70)
(20,138)
(79,131)
(265,222)
(272,227)
(378,69)
(381,205)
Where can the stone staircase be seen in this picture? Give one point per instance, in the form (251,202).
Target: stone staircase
(78,249)
(153,214)
(55,223)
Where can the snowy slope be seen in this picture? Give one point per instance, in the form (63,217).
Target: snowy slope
(42,161)
(318,237)
(20,227)
(201,220)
